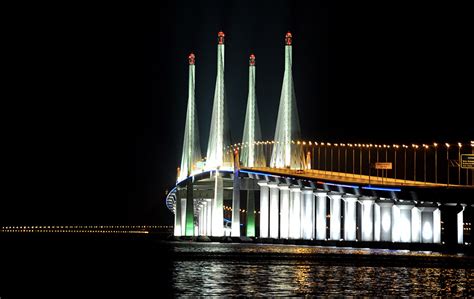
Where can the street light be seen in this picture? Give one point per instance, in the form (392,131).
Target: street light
(459,162)
(360,158)
(415,147)
(424,158)
(319,156)
(345,158)
(447,158)
(353,158)
(325,157)
(405,168)
(377,147)
(331,157)
(395,148)
(338,157)
(436,162)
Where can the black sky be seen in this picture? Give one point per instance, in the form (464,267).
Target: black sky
(94,98)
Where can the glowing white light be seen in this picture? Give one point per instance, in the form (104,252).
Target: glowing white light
(284,211)
(415,225)
(437,226)
(427,222)
(367,219)
(264,209)
(427,231)
(320,216)
(218,209)
(274,194)
(307,223)
(350,219)
(377,225)
(335,220)
(295,212)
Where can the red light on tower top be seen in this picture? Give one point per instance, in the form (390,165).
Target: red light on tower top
(191,58)
(252,60)
(220,37)
(288,38)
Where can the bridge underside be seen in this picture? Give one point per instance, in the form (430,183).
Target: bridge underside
(313,205)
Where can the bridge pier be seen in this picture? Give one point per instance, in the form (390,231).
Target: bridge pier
(284,210)
(403,222)
(320,214)
(264,209)
(236,204)
(189,214)
(427,223)
(203,216)
(335,214)
(274,219)
(250,228)
(307,222)
(208,216)
(350,215)
(218,207)
(367,229)
(452,216)
(295,212)
(177,217)
(386,223)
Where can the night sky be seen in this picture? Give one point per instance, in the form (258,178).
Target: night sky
(94,98)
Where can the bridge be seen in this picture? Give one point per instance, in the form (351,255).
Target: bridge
(294,189)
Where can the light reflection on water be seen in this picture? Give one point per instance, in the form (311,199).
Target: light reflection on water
(219,276)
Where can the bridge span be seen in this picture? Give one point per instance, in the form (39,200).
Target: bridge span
(294,189)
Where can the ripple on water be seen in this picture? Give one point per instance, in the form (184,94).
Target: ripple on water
(289,277)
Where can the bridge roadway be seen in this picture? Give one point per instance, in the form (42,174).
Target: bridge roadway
(342,177)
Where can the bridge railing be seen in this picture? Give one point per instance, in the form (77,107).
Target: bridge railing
(438,163)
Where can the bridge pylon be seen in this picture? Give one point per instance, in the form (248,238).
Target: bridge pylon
(286,152)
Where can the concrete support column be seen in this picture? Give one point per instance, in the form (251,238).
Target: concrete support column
(250,228)
(404,223)
(335,212)
(367,230)
(236,205)
(385,224)
(452,217)
(350,212)
(427,222)
(183,215)
(307,223)
(437,226)
(320,214)
(189,230)
(208,216)
(460,225)
(415,225)
(284,210)
(218,208)
(177,216)
(204,217)
(264,209)
(274,200)
(295,213)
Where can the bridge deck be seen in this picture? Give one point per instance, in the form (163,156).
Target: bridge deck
(342,177)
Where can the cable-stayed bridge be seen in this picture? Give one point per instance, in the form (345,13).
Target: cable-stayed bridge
(294,189)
